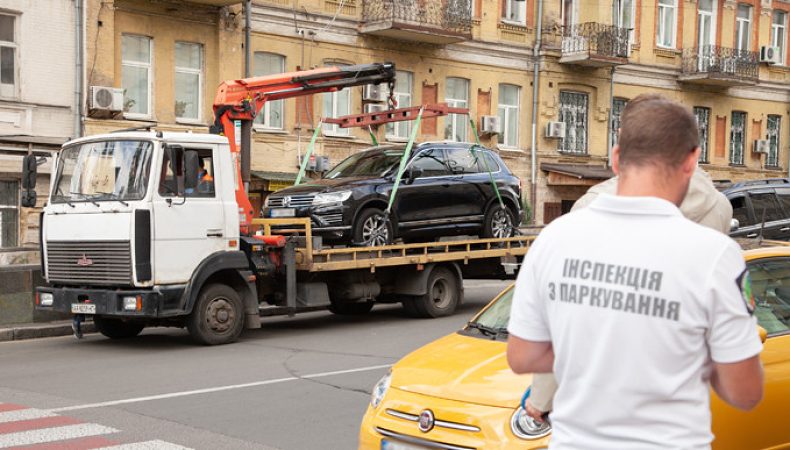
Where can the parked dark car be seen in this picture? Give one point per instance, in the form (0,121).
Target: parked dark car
(445,190)
(761,207)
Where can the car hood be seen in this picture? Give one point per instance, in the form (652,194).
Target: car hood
(462,368)
(327,185)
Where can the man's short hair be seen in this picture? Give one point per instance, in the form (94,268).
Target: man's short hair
(656,130)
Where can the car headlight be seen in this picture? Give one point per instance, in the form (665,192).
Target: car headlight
(379,390)
(526,427)
(329,198)
(46,299)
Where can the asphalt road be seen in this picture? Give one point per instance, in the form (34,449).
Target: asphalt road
(301,383)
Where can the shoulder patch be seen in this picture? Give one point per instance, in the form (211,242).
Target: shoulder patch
(744,283)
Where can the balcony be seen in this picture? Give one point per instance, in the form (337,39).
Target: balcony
(429,21)
(719,66)
(595,45)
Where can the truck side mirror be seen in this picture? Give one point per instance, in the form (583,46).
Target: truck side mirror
(29,172)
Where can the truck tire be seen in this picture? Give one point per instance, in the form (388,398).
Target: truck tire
(441,296)
(217,317)
(351,309)
(117,328)
(372,228)
(499,222)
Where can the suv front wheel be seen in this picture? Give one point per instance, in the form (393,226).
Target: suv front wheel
(499,222)
(372,228)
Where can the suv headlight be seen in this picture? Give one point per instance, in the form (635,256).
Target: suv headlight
(380,389)
(526,427)
(330,198)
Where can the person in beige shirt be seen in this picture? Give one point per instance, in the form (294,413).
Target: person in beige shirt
(703,204)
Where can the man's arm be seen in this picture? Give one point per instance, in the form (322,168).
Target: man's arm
(529,356)
(740,383)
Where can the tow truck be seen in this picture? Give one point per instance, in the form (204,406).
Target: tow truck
(151,228)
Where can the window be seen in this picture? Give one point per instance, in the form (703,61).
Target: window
(336,104)
(667,19)
(271,115)
(625,16)
(706,26)
(200,184)
(508,114)
(568,13)
(703,126)
(463,161)
(136,75)
(431,162)
(8,55)
(743,27)
(773,133)
(515,11)
(573,112)
(771,290)
(456,96)
(778,34)
(766,207)
(9,214)
(189,80)
(402,92)
(618,105)
(740,211)
(737,137)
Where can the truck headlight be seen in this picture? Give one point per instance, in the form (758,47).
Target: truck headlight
(330,198)
(526,427)
(132,303)
(380,389)
(46,299)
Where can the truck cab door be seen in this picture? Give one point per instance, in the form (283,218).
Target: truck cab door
(188,214)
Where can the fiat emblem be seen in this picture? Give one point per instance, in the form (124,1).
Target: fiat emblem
(84,261)
(426,421)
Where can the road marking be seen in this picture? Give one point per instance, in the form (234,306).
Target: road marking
(10,407)
(74,444)
(53,434)
(34,424)
(147,445)
(216,389)
(24,414)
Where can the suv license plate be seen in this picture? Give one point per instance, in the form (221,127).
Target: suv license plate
(283,212)
(391,445)
(83,308)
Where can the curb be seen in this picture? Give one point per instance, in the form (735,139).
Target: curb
(20,332)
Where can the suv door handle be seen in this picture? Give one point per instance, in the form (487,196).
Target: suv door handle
(751,235)
(213,233)
(784,229)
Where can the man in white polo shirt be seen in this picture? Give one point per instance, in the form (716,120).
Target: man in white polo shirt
(636,309)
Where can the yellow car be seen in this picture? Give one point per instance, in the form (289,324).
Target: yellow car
(458,393)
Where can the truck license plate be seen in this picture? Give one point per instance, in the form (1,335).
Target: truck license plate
(83,308)
(283,212)
(391,445)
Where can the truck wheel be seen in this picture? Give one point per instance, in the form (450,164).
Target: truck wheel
(372,228)
(217,317)
(440,299)
(351,309)
(499,222)
(117,328)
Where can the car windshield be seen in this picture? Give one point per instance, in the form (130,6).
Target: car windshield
(109,170)
(371,163)
(492,323)
(771,290)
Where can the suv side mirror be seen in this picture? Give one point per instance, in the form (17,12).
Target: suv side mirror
(412,174)
(734,225)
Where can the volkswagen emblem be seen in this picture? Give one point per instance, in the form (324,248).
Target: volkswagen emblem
(426,421)
(287,201)
(84,261)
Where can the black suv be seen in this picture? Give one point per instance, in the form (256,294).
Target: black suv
(445,190)
(761,206)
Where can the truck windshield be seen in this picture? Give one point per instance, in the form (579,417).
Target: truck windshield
(97,171)
(372,163)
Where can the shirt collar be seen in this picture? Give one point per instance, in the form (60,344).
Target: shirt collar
(635,205)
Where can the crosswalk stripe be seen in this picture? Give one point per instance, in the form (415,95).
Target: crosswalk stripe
(10,407)
(35,424)
(53,434)
(147,445)
(24,414)
(92,442)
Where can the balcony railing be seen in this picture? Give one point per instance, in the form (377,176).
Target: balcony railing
(434,21)
(595,44)
(716,65)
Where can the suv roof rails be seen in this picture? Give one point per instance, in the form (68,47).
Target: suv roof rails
(765,181)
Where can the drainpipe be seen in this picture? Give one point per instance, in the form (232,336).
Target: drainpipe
(610,132)
(78,54)
(246,125)
(535,89)
(247,38)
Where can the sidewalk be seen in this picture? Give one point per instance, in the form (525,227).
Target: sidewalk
(15,332)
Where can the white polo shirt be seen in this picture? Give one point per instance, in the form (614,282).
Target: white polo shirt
(636,300)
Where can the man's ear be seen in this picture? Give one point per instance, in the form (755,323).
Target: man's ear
(616,159)
(690,164)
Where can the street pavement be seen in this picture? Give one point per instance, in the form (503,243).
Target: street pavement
(298,383)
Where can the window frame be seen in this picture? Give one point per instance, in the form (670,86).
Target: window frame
(392,130)
(704,133)
(269,107)
(507,12)
(738,23)
(456,103)
(733,161)
(201,77)
(149,76)
(586,128)
(774,140)
(331,129)
(15,207)
(660,32)
(504,109)
(774,29)
(15,46)
(615,125)
(630,26)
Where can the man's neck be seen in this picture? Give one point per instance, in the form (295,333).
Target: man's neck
(648,182)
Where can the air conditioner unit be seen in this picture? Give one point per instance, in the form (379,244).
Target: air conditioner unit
(555,130)
(370,108)
(373,93)
(106,98)
(322,163)
(761,146)
(770,55)
(311,163)
(490,125)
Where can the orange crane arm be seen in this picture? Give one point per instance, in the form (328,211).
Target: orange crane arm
(243,99)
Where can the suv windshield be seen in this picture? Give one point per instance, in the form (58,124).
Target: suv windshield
(371,163)
(492,323)
(110,170)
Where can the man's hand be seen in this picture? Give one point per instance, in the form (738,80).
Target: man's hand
(533,412)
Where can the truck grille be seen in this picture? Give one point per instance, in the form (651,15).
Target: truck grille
(291,201)
(100,262)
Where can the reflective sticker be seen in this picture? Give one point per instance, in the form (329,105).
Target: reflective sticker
(744,282)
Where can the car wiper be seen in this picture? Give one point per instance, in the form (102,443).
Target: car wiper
(59,192)
(114,198)
(85,197)
(488,331)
